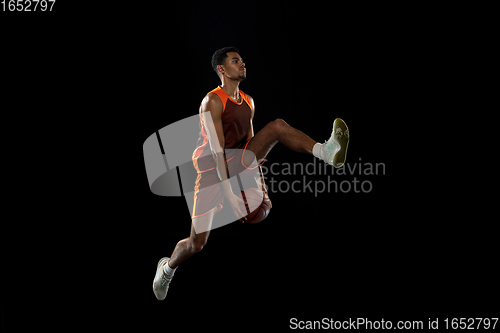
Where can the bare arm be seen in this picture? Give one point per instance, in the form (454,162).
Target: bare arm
(250,134)
(213,125)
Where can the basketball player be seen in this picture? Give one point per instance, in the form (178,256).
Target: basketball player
(232,112)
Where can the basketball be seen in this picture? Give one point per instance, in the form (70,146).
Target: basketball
(259,208)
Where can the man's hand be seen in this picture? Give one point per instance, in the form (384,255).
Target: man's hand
(235,202)
(266,196)
(260,180)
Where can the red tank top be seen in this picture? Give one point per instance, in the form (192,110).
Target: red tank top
(235,123)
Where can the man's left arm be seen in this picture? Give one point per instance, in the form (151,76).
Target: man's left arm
(250,135)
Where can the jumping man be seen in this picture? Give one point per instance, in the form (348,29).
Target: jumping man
(232,112)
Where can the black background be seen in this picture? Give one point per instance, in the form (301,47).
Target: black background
(107,78)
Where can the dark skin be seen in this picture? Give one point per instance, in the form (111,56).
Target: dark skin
(231,74)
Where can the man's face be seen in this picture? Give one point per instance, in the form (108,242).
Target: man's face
(234,67)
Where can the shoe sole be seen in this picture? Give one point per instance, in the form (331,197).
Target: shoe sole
(342,137)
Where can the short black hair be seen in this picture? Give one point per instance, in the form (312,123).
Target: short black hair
(220,56)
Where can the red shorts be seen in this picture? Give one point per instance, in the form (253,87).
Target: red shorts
(208,194)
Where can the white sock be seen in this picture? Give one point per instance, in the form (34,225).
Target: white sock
(169,272)
(317,150)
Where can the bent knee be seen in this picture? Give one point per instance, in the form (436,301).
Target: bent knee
(278,124)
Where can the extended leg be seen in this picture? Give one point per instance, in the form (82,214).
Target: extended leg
(279,131)
(184,249)
(194,243)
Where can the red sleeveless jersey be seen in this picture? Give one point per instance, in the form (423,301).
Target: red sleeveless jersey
(236,119)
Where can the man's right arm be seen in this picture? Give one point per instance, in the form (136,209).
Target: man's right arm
(213,126)
(213,105)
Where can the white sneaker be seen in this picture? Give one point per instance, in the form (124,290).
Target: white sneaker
(335,149)
(161,282)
